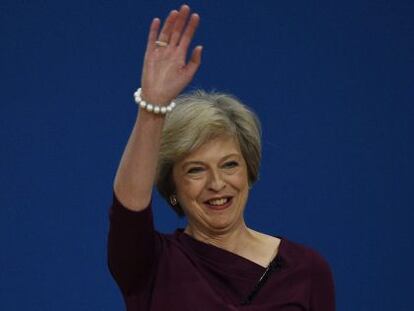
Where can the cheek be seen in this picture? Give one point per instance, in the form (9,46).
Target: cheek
(240,180)
(189,189)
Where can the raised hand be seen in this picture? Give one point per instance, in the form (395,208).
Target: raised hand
(166,71)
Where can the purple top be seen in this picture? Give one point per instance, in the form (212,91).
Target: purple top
(161,272)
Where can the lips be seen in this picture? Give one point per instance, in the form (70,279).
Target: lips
(219,203)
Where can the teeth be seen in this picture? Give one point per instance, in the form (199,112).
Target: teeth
(218,201)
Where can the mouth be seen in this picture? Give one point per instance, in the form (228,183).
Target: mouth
(219,203)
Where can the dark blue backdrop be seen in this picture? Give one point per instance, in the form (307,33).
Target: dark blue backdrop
(332,82)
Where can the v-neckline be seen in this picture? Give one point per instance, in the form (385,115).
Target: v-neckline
(230,261)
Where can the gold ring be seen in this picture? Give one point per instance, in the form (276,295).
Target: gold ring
(161,43)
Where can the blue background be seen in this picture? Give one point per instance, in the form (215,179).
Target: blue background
(332,82)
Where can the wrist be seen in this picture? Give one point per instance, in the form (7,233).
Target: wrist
(153,107)
(155,99)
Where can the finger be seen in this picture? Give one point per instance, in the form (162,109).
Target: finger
(189,32)
(153,33)
(179,24)
(195,60)
(168,26)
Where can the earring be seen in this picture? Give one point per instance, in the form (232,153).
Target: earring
(173,200)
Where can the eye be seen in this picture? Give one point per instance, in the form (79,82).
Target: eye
(231,164)
(195,170)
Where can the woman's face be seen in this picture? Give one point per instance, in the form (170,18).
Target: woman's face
(212,185)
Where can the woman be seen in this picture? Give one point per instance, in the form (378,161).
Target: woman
(204,156)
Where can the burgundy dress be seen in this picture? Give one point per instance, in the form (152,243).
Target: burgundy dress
(176,272)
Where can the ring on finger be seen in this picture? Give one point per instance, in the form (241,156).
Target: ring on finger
(161,43)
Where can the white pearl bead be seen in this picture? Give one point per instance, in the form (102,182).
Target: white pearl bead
(151,107)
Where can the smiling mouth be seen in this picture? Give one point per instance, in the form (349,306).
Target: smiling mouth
(219,204)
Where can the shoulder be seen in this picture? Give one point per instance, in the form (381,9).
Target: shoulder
(309,264)
(304,257)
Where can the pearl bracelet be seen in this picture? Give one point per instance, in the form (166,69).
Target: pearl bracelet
(151,107)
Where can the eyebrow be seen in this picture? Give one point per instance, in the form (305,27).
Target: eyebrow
(187,163)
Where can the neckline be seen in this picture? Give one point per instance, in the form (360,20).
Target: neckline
(234,262)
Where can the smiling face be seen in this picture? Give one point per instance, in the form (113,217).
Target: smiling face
(212,186)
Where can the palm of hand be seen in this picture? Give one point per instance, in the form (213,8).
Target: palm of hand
(166,73)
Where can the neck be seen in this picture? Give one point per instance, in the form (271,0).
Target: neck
(236,240)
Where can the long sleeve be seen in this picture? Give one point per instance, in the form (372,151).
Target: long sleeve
(132,250)
(322,286)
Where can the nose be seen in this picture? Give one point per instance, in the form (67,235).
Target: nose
(216,182)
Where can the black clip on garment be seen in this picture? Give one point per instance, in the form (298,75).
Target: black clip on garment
(274,266)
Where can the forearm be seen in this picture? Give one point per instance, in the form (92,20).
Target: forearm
(135,176)
(165,74)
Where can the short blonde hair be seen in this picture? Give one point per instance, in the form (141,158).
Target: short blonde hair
(199,117)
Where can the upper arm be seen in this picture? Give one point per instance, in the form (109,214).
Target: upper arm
(132,247)
(322,296)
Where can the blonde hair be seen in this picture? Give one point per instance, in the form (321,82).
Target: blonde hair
(199,117)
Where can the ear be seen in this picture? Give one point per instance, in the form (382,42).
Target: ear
(173,200)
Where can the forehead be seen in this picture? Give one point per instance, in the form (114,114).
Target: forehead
(214,149)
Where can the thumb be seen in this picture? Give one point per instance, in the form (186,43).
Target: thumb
(195,60)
